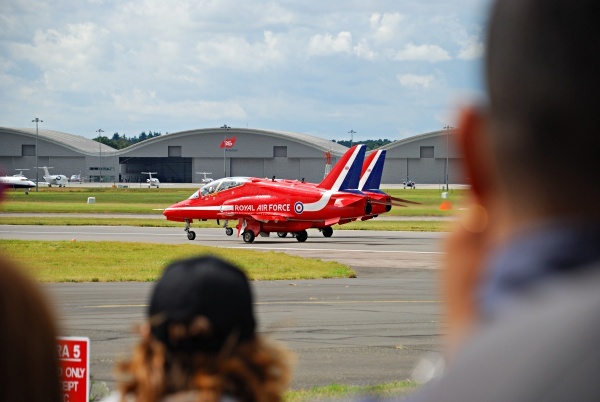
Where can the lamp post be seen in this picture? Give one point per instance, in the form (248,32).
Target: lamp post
(351,132)
(226,127)
(448,128)
(37,169)
(99,131)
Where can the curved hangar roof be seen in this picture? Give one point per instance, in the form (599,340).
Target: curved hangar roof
(89,146)
(305,139)
(71,141)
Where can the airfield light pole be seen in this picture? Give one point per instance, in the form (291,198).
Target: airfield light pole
(226,127)
(448,128)
(351,132)
(99,131)
(37,169)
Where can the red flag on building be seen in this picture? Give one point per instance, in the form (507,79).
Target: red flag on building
(228,143)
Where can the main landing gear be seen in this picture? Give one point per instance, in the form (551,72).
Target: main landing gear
(301,236)
(191,235)
(248,236)
(327,231)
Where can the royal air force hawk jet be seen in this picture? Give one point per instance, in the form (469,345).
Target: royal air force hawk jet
(262,206)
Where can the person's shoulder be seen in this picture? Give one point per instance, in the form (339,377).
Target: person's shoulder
(546,349)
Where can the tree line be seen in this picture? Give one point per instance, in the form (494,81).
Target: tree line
(120,141)
(371,144)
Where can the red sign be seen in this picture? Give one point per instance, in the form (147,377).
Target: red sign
(74,370)
(228,143)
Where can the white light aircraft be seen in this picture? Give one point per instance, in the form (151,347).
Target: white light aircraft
(205,179)
(152,181)
(59,180)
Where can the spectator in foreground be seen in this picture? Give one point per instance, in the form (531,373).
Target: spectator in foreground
(523,269)
(200,342)
(28,358)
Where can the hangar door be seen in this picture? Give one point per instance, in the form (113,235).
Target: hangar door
(168,170)
(247,167)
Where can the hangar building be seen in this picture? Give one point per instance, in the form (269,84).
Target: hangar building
(180,157)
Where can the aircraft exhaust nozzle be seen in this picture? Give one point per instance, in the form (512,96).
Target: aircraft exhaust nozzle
(368,208)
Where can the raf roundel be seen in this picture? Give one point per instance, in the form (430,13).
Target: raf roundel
(298,207)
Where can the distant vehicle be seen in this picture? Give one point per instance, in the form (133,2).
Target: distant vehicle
(205,179)
(152,181)
(409,184)
(16,182)
(59,180)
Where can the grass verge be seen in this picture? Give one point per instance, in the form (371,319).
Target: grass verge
(67,261)
(145,201)
(337,391)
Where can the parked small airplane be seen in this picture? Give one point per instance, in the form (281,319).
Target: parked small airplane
(76,178)
(262,206)
(205,179)
(152,181)
(17,182)
(20,174)
(59,180)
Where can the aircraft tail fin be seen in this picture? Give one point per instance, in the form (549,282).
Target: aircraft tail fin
(372,170)
(345,175)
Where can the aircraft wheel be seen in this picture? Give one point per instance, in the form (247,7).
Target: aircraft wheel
(191,235)
(228,231)
(282,234)
(248,236)
(301,236)
(327,232)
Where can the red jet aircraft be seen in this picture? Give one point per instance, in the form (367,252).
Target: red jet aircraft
(262,206)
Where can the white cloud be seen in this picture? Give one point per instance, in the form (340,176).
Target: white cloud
(237,53)
(472,48)
(328,44)
(413,80)
(363,50)
(430,53)
(147,103)
(385,25)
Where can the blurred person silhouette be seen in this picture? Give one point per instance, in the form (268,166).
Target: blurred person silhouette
(28,357)
(522,275)
(200,342)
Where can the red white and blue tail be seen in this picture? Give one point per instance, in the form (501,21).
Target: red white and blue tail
(345,175)
(372,170)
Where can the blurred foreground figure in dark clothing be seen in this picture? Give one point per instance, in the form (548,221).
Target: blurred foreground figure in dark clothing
(522,275)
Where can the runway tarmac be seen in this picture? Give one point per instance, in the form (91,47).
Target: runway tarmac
(366,330)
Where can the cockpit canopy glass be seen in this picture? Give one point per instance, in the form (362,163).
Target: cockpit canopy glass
(219,185)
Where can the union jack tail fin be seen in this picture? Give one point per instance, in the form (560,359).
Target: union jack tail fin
(345,175)
(372,170)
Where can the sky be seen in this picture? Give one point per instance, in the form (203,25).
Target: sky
(381,68)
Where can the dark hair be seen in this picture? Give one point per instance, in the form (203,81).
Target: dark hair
(29,362)
(542,67)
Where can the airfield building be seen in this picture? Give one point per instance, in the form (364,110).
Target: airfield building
(182,157)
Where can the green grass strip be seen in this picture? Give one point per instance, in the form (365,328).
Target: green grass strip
(146,201)
(338,391)
(67,261)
